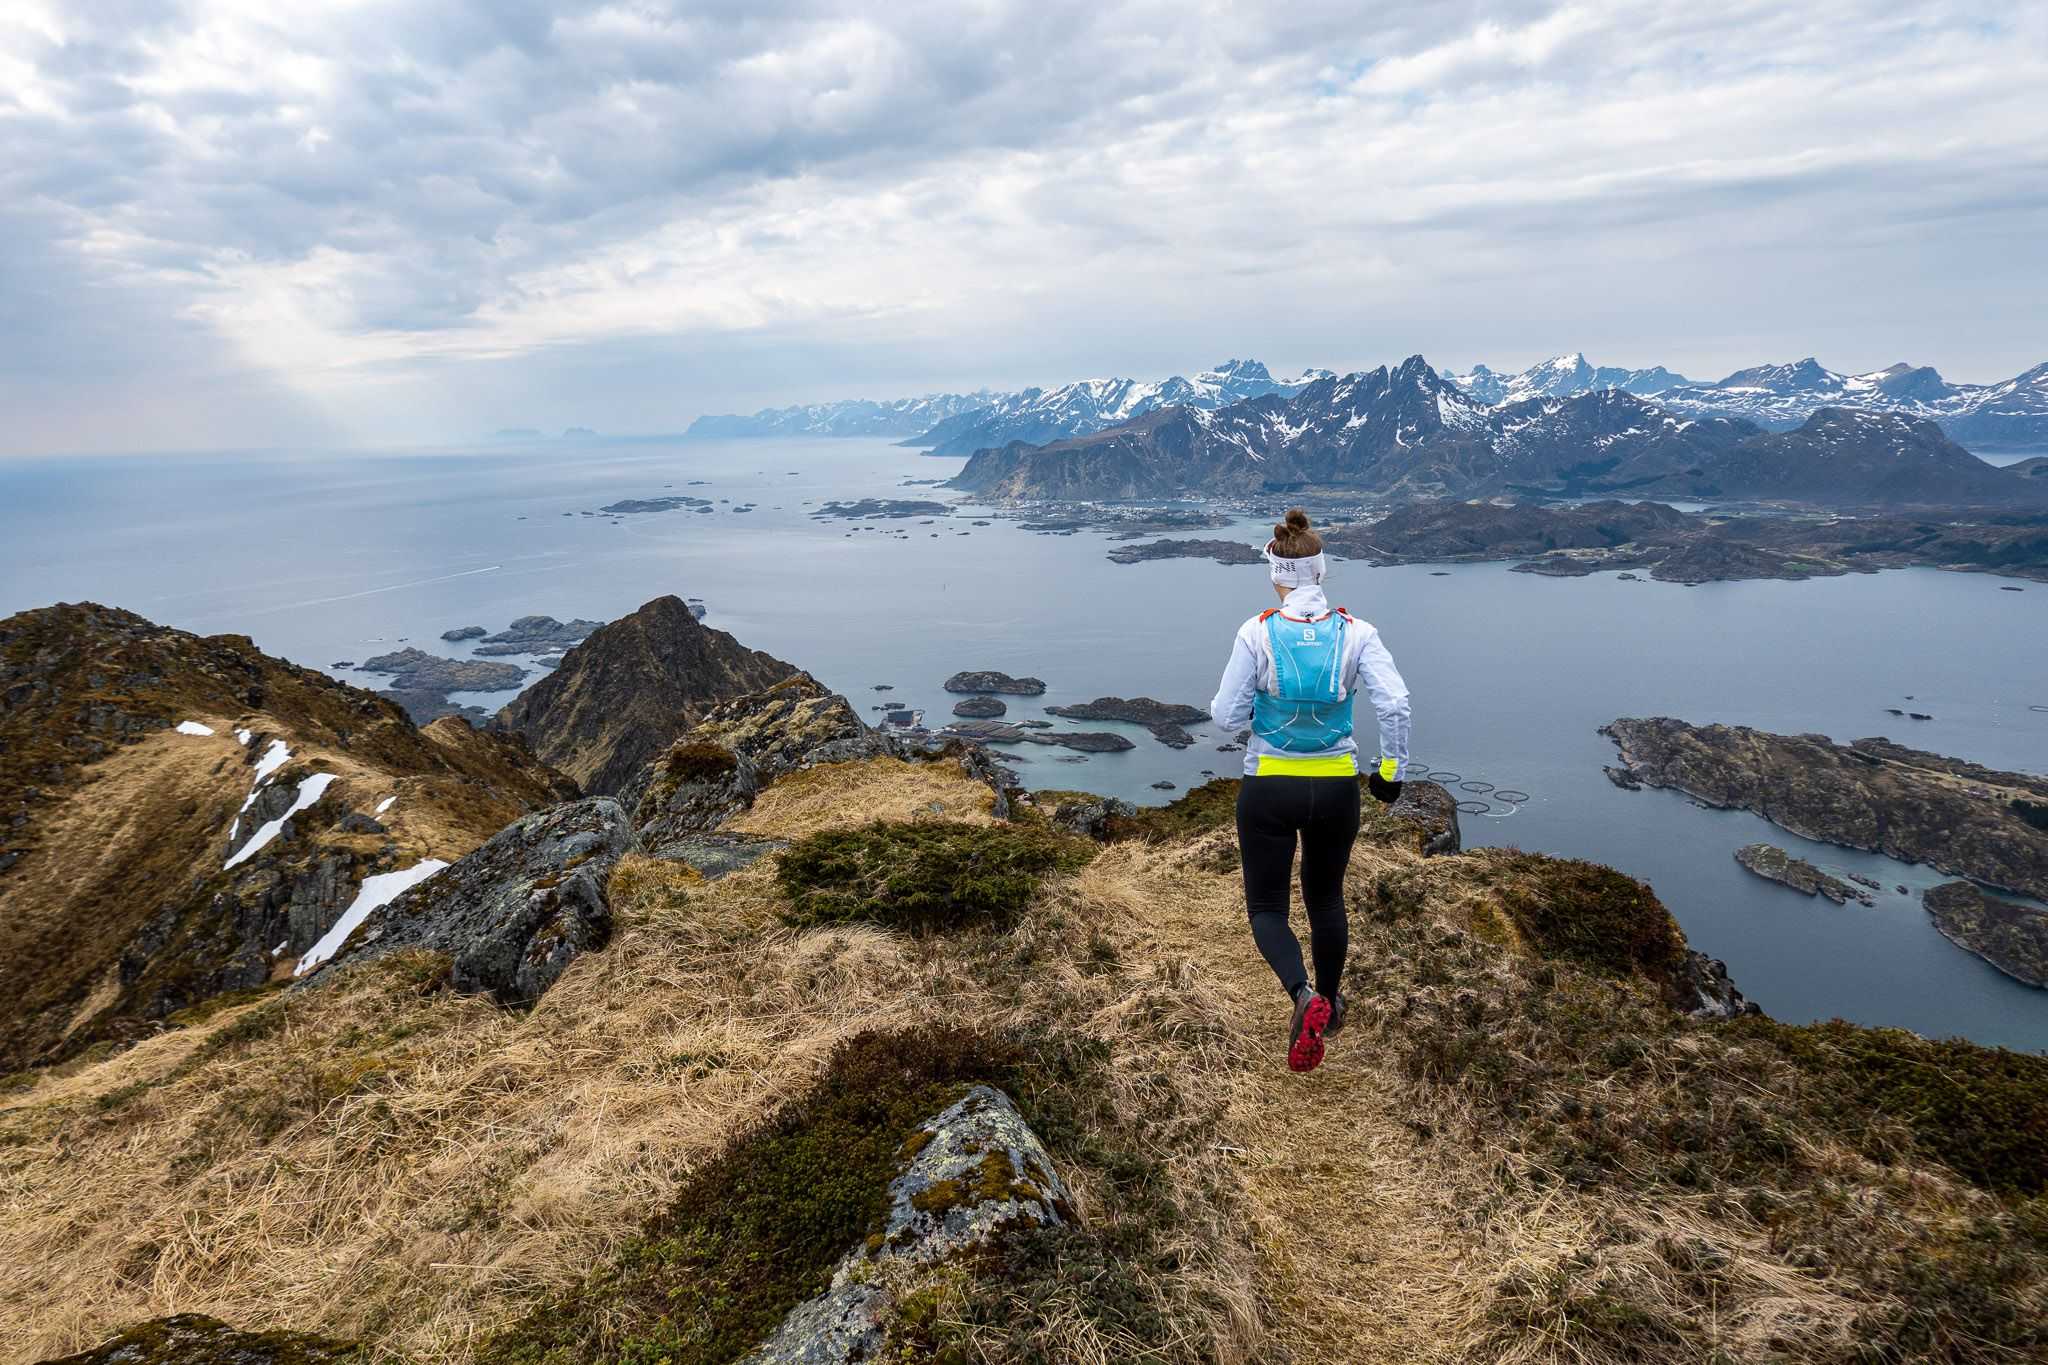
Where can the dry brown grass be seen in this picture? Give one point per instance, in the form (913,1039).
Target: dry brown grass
(842,795)
(151,820)
(415,1169)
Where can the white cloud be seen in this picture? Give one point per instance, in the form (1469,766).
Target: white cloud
(358,202)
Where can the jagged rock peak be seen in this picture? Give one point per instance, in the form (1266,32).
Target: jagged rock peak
(630,688)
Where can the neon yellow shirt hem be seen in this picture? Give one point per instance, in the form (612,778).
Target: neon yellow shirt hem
(1330,765)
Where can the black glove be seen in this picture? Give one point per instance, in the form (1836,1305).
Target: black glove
(1387,792)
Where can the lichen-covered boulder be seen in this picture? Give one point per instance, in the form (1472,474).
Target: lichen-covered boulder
(512,914)
(1091,818)
(195,1339)
(971,1172)
(719,764)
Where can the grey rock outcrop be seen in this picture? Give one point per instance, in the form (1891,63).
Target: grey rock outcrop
(1707,980)
(979,708)
(1091,819)
(514,913)
(972,1172)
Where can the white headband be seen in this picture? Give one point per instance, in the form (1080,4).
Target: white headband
(1297,573)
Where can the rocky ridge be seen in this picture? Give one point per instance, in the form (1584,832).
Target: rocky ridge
(187,815)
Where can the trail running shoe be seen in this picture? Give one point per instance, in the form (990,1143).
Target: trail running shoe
(1339,1007)
(1311,1017)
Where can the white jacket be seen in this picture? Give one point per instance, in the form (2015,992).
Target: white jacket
(1367,666)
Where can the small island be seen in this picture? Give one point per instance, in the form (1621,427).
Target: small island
(415,670)
(421,682)
(867,509)
(1164,719)
(1220,551)
(991,680)
(1774,864)
(630,506)
(536,635)
(1000,732)
(979,708)
(2012,938)
(1957,817)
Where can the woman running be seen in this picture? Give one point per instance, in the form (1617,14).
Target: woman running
(1292,675)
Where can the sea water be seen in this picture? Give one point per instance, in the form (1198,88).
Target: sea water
(323,559)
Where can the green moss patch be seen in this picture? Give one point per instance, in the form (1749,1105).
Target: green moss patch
(698,762)
(1982,1111)
(758,1229)
(1196,811)
(929,874)
(1561,908)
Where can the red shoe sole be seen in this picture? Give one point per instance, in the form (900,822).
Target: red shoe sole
(1306,1052)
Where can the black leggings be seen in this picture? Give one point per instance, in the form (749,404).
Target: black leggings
(1271,811)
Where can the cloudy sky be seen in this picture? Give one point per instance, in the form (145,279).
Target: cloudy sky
(236,223)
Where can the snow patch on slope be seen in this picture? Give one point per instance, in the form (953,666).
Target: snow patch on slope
(310,791)
(376,892)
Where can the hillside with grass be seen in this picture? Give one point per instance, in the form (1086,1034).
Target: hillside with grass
(874,1037)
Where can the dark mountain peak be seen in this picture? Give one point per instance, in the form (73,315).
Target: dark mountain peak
(1909,383)
(1866,423)
(622,695)
(1416,370)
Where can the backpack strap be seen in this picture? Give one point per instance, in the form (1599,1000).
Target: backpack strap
(1268,614)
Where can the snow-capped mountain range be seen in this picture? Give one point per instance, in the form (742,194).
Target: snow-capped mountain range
(2008,416)
(1562,376)
(2011,415)
(960,424)
(1041,415)
(1410,432)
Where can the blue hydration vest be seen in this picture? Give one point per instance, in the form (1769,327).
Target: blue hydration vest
(1308,712)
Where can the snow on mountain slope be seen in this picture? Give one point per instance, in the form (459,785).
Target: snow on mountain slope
(1038,416)
(1564,376)
(2012,414)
